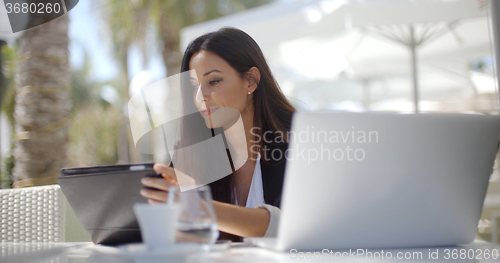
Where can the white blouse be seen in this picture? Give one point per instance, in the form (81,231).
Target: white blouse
(255,199)
(256,191)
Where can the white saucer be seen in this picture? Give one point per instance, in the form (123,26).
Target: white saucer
(140,251)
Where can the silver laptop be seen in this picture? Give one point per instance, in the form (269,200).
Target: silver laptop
(382,180)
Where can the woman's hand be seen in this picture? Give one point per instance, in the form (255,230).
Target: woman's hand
(242,221)
(161,185)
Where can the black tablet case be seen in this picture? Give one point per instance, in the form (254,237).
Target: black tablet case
(103,198)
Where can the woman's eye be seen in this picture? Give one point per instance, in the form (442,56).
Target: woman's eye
(214,82)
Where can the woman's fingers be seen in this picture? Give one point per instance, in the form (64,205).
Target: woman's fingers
(160,186)
(153,202)
(166,171)
(155,195)
(157,183)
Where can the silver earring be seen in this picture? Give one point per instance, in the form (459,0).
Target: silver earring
(249,92)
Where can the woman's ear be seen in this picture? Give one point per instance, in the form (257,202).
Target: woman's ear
(253,78)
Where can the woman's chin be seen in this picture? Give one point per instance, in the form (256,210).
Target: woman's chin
(211,124)
(223,117)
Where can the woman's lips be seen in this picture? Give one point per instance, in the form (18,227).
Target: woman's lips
(208,111)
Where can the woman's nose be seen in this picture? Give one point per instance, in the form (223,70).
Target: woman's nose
(201,94)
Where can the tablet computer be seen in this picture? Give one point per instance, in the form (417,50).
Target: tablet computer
(148,167)
(102,198)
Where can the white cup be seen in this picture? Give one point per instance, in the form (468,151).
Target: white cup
(158,224)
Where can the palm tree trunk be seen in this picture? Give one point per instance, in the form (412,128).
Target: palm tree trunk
(43,103)
(172,58)
(169,33)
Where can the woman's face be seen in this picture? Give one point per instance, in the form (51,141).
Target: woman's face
(220,93)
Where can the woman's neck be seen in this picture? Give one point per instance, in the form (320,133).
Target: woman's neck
(240,139)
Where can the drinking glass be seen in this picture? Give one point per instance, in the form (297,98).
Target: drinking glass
(197,221)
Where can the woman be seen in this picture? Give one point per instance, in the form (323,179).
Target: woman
(232,72)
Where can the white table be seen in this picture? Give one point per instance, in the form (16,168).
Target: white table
(89,253)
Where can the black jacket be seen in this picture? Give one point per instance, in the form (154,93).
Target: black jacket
(273,172)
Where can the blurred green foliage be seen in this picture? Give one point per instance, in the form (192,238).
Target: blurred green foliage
(9,63)
(93,135)
(94,127)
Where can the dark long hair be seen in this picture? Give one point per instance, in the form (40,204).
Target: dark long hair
(272,111)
